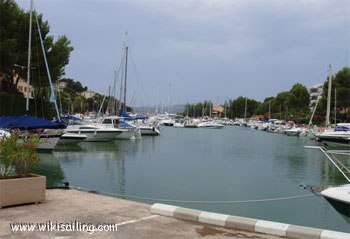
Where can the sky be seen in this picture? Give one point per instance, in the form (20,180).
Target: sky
(188,51)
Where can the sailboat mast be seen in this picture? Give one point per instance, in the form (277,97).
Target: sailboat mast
(126,70)
(29,54)
(245,110)
(335,106)
(329,96)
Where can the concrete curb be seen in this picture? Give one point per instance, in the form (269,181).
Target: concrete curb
(248,224)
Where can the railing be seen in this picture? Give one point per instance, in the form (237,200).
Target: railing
(331,155)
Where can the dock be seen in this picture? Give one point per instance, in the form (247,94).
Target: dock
(74,213)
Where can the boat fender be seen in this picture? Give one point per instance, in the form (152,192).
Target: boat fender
(153,129)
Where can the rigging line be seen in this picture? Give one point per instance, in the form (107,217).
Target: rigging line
(138,78)
(37,79)
(198,201)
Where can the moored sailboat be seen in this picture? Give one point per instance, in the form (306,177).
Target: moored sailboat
(26,125)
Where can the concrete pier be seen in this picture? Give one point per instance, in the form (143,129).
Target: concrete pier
(65,210)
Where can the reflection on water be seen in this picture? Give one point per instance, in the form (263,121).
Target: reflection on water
(210,165)
(50,167)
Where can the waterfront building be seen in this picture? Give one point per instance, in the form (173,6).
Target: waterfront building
(315,94)
(88,94)
(22,87)
(61,85)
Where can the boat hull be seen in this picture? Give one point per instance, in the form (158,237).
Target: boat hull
(95,135)
(210,126)
(128,134)
(292,132)
(339,198)
(47,141)
(71,139)
(150,131)
(334,140)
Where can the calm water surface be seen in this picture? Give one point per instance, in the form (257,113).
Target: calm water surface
(229,164)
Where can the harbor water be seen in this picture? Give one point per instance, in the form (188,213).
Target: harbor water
(234,170)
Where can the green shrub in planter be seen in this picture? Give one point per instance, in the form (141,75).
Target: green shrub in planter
(18,159)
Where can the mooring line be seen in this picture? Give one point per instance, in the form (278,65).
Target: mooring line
(197,201)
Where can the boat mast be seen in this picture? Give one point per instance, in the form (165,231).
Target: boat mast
(126,69)
(329,96)
(29,54)
(245,110)
(52,96)
(314,110)
(335,106)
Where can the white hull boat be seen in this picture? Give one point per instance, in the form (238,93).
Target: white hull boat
(149,130)
(94,133)
(340,136)
(47,141)
(71,139)
(293,132)
(336,138)
(210,125)
(127,131)
(339,197)
(132,134)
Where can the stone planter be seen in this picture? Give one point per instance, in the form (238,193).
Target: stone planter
(16,191)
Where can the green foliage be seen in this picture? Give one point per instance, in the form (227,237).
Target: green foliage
(239,104)
(340,83)
(7,147)
(73,87)
(12,104)
(299,98)
(14,47)
(21,157)
(199,109)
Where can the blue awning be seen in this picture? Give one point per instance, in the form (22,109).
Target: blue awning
(29,122)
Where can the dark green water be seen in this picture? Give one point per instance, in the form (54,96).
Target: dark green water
(229,164)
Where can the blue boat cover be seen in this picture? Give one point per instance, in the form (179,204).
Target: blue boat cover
(69,117)
(125,125)
(342,128)
(29,122)
(128,117)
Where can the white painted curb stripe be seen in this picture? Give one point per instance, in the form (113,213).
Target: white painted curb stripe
(326,234)
(163,209)
(213,218)
(272,228)
(269,227)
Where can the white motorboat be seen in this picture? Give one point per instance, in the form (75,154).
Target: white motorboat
(149,130)
(293,131)
(340,136)
(210,125)
(146,127)
(127,131)
(94,132)
(71,138)
(338,196)
(179,125)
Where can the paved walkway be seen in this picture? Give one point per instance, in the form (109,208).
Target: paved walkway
(133,219)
